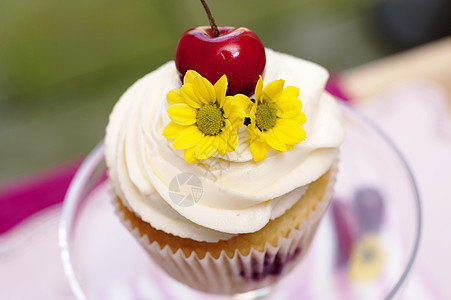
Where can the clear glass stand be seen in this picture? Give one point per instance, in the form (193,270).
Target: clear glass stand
(364,247)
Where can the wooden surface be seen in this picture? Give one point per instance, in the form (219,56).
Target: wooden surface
(431,61)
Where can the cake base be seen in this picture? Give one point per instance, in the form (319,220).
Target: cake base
(244,262)
(279,227)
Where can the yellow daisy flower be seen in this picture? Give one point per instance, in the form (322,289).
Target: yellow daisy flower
(204,119)
(275,119)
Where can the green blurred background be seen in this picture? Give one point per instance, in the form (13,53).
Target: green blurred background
(63,64)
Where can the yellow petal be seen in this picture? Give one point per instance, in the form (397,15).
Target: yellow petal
(190,155)
(221,142)
(173,130)
(289,131)
(230,136)
(206,147)
(291,91)
(189,76)
(174,97)
(221,88)
(244,102)
(252,113)
(236,117)
(259,150)
(234,112)
(253,131)
(182,114)
(189,97)
(288,107)
(273,90)
(300,118)
(204,90)
(273,141)
(258,89)
(232,141)
(227,106)
(229,140)
(188,138)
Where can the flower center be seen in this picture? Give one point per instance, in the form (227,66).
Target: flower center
(265,117)
(210,119)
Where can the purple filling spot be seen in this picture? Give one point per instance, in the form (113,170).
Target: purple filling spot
(272,265)
(277,266)
(242,271)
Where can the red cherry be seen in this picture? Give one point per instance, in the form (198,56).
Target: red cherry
(236,52)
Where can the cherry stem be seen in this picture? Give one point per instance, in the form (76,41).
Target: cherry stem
(214,27)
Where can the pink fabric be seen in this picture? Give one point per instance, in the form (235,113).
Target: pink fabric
(24,197)
(335,87)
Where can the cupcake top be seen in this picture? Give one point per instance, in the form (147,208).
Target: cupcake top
(223,195)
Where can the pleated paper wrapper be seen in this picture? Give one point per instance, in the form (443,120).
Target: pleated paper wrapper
(240,273)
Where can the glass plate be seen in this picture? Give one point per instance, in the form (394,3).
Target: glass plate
(364,247)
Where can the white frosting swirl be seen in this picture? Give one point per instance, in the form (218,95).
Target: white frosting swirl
(239,195)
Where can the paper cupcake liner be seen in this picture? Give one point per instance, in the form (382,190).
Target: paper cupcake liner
(239,273)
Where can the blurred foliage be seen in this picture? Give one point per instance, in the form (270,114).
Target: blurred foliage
(63,64)
(53,45)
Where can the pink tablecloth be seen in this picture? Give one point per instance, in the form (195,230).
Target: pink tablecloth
(24,197)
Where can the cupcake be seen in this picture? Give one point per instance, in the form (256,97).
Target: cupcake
(225,190)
